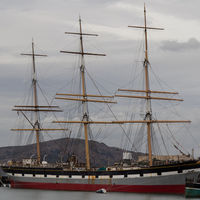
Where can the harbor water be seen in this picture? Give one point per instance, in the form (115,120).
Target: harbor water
(21,194)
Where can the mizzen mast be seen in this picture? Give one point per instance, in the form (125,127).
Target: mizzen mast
(148,116)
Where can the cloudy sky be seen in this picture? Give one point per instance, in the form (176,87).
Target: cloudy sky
(174,52)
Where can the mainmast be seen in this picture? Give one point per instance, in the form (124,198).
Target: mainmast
(85,113)
(84,93)
(36,125)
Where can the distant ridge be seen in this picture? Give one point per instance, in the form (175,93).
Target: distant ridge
(60,149)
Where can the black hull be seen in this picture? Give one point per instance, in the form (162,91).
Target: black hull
(189,165)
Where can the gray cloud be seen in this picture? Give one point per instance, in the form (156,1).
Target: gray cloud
(182,9)
(191,44)
(47,21)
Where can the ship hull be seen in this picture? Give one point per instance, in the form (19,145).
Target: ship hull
(166,184)
(192,190)
(168,179)
(165,189)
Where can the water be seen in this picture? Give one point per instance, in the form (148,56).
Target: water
(20,194)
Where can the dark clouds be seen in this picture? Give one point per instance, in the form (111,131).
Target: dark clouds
(191,44)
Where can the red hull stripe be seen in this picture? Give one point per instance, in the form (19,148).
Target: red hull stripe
(167,189)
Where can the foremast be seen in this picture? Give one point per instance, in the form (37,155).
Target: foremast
(36,124)
(35,98)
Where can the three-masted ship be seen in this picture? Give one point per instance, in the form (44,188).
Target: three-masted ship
(166,178)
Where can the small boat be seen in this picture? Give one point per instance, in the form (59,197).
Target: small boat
(4,182)
(192,187)
(102,190)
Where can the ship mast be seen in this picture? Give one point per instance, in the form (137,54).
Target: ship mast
(36,125)
(84,96)
(147,91)
(84,93)
(35,97)
(148,100)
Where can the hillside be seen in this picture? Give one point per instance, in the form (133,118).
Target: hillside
(60,149)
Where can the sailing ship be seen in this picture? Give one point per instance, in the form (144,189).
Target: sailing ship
(163,178)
